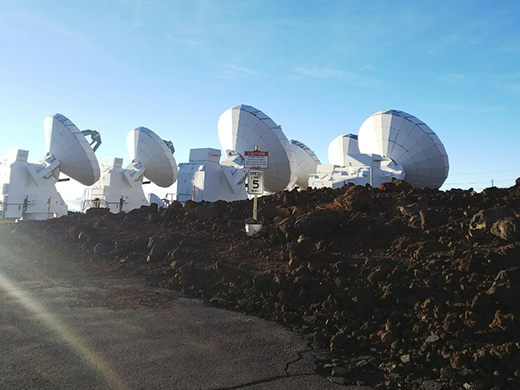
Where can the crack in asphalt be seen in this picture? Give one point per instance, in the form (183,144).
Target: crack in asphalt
(300,357)
(261,381)
(300,354)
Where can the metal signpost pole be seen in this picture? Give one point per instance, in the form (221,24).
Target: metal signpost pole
(255,187)
(255,161)
(255,200)
(255,208)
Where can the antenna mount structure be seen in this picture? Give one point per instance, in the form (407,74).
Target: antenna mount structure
(121,189)
(28,191)
(390,144)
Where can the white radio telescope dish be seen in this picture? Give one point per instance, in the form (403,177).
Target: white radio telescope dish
(70,147)
(154,154)
(306,163)
(408,142)
(241,128)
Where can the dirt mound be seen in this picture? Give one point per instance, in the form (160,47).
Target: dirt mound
(406,288)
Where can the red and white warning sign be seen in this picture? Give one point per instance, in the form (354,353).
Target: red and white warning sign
(256,159)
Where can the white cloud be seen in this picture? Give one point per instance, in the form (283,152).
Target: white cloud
(13,32)
(322,73)
(326,73)
(235,72)
(509,47)
(462,108)
(452,78)
(187,41)
(508,81)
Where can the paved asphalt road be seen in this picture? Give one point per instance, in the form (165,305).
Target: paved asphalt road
(71,325)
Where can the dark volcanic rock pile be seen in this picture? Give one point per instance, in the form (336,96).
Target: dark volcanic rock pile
(407,288)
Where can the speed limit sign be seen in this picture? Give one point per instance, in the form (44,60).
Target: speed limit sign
(255,183)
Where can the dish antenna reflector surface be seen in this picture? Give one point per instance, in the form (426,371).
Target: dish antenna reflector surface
(408,142)
(241,128)
(154,154)
(70,147)
(306,163)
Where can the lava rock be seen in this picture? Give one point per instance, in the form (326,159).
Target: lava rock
(484,219)
(506,228)
(431,218)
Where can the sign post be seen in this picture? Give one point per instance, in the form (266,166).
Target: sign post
(255,160)
(255,186)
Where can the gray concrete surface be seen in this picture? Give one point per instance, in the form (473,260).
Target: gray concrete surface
(71,325)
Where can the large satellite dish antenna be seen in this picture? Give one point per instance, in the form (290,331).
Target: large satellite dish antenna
(408,142)
(121,189)
(242,128)
(306,163)
(67,144)
(155,155)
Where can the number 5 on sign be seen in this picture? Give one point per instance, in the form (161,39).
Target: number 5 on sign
(255,182)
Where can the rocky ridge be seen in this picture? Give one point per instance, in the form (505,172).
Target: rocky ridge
(405,288)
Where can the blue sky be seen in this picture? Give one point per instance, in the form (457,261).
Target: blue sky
(318,68)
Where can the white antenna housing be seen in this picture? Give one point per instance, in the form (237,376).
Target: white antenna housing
(69,146)
(408,142)
(343,148)
(242,128)
(306,163)
(121,189)
(391,144)
(204,178)
(152,153)
(28,191)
